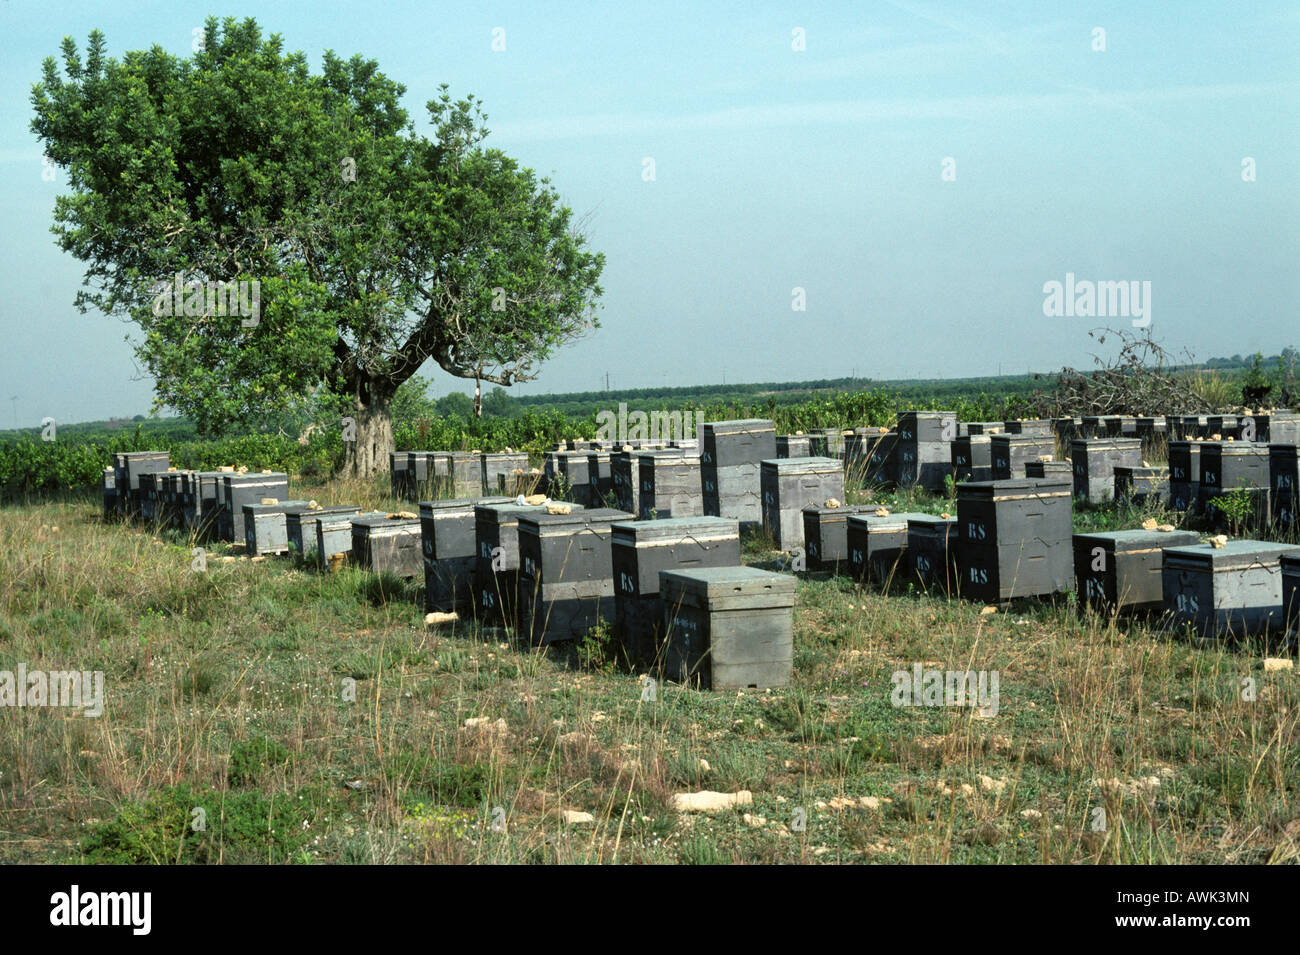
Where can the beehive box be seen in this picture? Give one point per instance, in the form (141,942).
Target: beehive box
(1094,461)
(878,547)
(1122,571)
(398,463)
(924,455)
(499,469)
(1012,452)
(639,551)
(858,445)
(1039,470)
(147,494)
(110,492)
(728,627)
(574,469)
(972,458)
(732,492)
(334,536)
(250,488)
(1028,426)
(1184,474)
(1227,465)
(1152,432)
(1284,480)
(1278,427)
(829,443)
(1290,565)
(625,478)
(671,485)
(1014,539)
(1229,591)
(793,446)
(428,475)
(882,462)
(175,506)
(1067,429)
(387,545)
(129,465)
(300,525)
(467,474)
(1190,427)
(1141,485)
(729,443)
(449,551)
(932,546)
(200,501)
(266,532)
(600,478)
(1223,425)
(790,485)
(566,582)
(496,564)
(826,534)
(984,428)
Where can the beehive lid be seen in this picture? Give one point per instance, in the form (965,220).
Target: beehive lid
(930,521)
(574,520)
(784,466)
(1105,444)
(925,415)
(1243,448)
(345,520)
(327,510)
(430,508)
(1021,438)
(253,478)
(381,519)
(1014,489)
(890,522)
(676,529)
(1137,539)
(710,586)
(279,507)
(741,426)
(1235,555)
(509,513)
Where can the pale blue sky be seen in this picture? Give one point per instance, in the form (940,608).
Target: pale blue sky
(775,169)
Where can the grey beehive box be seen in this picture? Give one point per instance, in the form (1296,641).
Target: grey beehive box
(1228,591)
(1014,539)
(266,531)
(1011,454)
(640,550)
(1227,465)
(1284,480)
(982,428)
(924,456)
(129,465)
(728,627)
(826,534)
(334,535)
(791,484)
(499,470)
(1094,461)
(467,474)
(794,446)
(882,460)
(248,488)
(728,443)
(200,502)
(387,545)
(397,473)
(1141,485)
(566,581)
(932,544)
(1184,475)
(449,551)
(671,485)
(878,547)
(110,492)
(300,526)
(1060,470)
(496,562)
(1028,426)
(972,458)
(1122,571)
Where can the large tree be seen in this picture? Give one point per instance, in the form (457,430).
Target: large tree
(373,248)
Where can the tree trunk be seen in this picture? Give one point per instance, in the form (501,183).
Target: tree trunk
(372,431)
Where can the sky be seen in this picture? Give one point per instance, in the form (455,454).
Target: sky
(913,174)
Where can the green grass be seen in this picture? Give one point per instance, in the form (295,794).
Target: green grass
(228,691)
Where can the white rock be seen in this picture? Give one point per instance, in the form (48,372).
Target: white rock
(708,801)
(573,817)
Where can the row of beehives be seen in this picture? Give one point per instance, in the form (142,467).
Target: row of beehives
(1013,539)
(681,603)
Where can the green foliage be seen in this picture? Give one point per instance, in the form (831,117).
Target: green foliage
(247,827)
(252,759)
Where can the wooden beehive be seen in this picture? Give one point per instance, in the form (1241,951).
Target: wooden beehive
(266,532)
(1094,461)
(826,534)
(728,627)
(1228,465)
(334,536)
(241,489)
(1141,485)
(794,446)
(625,478)
(466,474)
(932,552)
(639,551)
(1012,453)
(671,485)
(1184,475)
(924,455)
(449,551)
(387,545)
(128,466)
(200,502)
(972,458)
(110,492)
(1122,571)
(499,470)
(1225,591)
(300,525)
(496,561)
(1028,426)
(878,547)
(1014,539)
(566,582)
(791,484)
(1284,480)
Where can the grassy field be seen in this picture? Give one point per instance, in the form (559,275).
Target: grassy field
(229,733)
